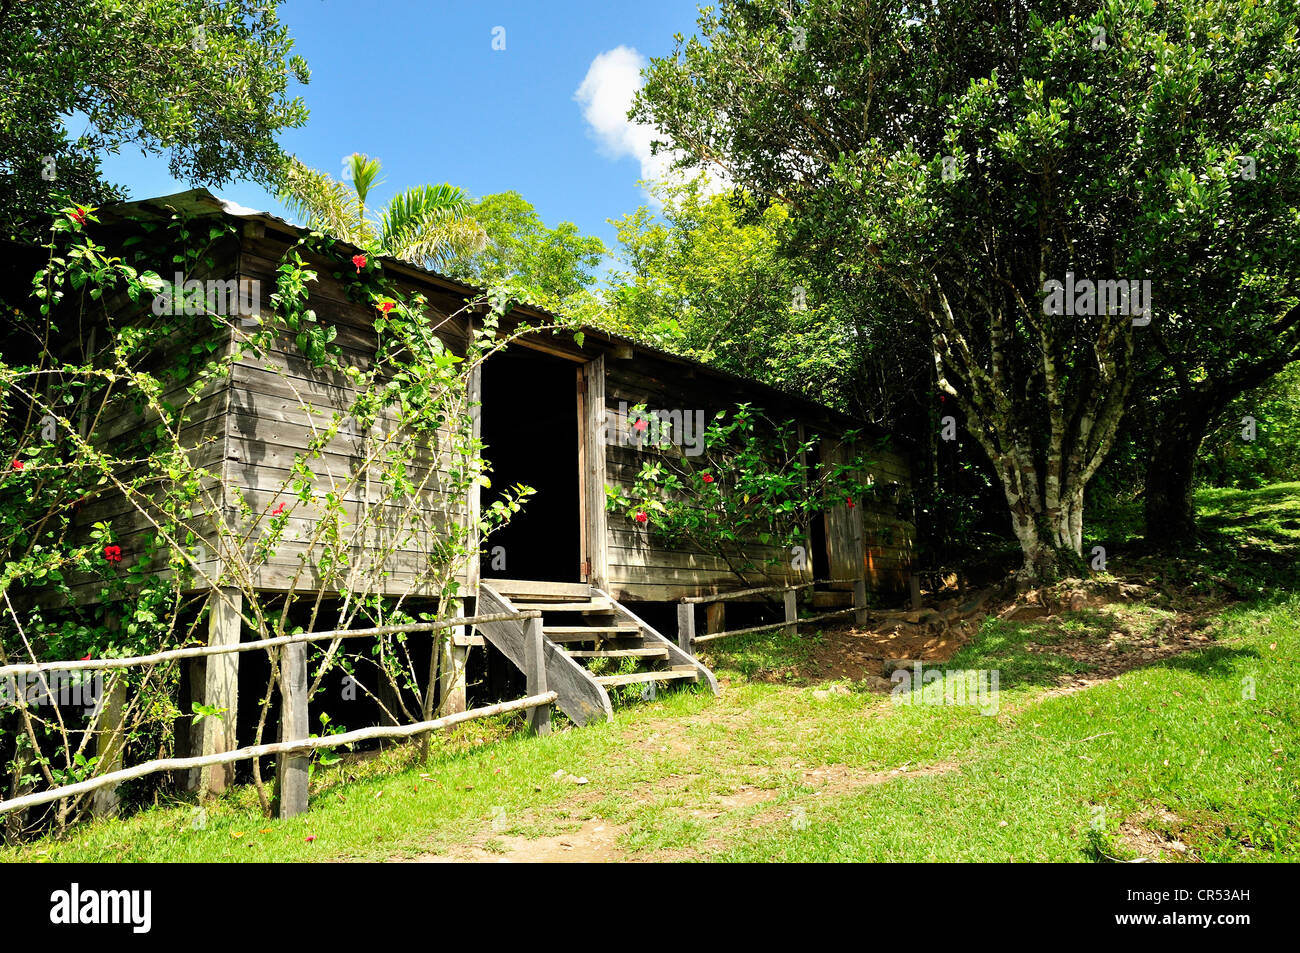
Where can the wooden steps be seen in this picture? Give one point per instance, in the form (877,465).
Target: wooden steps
(587,633)
(510,588)
(592,605)
(625,640)
(634,677)
(648,651)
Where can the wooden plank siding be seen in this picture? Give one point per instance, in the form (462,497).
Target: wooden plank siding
(280,403)
(247,429)
(640,566)
(873,538)
(124,423)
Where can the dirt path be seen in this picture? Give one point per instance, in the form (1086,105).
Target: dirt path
(594,842)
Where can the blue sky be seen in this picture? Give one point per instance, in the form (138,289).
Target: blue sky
(419,85)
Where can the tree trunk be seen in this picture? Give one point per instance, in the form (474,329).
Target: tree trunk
(1040,550)
(1169,515)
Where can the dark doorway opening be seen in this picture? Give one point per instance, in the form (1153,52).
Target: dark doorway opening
(530,428)
(819,554)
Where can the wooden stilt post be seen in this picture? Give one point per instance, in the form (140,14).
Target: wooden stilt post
(292,772)
(860,602)
(791,612)
(539,718)
(219,688)
(686,627)
(108,744)
(108,709)
(715,617)
(453,651)
(388,698)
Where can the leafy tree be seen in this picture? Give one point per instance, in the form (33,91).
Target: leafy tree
(427,225)
(708,280)
(1221,242)
(552,267)
(206,83)
(967,154)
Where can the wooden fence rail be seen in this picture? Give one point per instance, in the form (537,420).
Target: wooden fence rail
(283,747)
(759,590)
(292,772)
(687,639)
(198,651)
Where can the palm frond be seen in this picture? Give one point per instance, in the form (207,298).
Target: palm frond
(323,203)
(365,171)
(430,225)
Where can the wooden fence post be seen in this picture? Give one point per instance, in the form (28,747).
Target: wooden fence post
(686,627)
(914,587)
(291,774)
(539,718)
(791,612)
(860,602)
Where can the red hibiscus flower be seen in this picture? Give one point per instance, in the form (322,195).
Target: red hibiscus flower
(278,510)
(640,424)
(708,478)
(79,216)
(387,306)
(359,261)
(17,464)
(851,503)
(641,517)
(86,657)
(113,554)
(309,838)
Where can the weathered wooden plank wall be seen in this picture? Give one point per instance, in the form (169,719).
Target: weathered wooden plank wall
(247,429)
(889,533)
(280,402)
(873,537)
(639,565)
(126,428)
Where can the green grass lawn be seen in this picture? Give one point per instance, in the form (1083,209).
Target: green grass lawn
(1197,751)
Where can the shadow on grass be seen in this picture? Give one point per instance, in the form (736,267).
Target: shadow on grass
(1022,653)
(1215,661)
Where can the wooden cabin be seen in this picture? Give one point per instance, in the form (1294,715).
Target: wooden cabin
(545,407)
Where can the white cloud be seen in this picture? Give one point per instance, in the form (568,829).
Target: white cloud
(606,95)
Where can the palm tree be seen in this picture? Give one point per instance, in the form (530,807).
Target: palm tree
(428,225)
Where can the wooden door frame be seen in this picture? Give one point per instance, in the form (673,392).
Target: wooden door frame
(593,556)
(591,520)
(475,399)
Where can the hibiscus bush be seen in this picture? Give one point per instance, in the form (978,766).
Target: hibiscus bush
(754,481)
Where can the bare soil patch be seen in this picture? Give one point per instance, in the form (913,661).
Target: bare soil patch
(596,841)
(1151,834)
(849,653)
